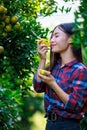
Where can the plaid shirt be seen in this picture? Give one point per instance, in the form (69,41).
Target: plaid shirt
(72,78)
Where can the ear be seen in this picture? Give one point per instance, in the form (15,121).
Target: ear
(70,40)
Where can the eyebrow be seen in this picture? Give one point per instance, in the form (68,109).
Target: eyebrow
(56,33)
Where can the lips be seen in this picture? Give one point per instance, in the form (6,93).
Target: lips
(52,45)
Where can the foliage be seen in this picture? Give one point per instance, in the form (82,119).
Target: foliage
(83,122)
(81,40)
(32,104)
(81,25)
(18,33)
(9,108)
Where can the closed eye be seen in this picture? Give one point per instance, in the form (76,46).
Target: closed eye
(56,35)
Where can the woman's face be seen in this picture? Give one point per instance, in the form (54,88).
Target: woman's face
(60,41)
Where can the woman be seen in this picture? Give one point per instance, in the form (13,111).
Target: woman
(65,85)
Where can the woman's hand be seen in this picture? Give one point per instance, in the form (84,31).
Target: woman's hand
(48,78)
(42,50)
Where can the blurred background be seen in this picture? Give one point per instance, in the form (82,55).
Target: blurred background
(21,24)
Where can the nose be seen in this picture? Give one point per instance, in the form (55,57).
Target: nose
(52,40)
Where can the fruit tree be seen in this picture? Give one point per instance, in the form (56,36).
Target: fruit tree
(18,57)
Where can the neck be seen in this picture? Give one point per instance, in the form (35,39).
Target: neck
(66,57)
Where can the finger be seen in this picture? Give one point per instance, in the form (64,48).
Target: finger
(44,77)
(42,46)
(39,44)
(39,47)
(39,41)
(48,73)
(43,50)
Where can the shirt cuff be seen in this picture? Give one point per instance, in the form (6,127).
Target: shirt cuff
(71,104)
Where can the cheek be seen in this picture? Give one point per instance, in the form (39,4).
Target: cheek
(62,44)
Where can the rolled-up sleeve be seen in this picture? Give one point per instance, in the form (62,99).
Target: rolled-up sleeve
(38,85)
(78,97)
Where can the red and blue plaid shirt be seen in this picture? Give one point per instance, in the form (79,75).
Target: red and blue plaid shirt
(72,78)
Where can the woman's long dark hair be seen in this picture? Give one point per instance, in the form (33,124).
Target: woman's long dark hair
(77,53)
(55,57)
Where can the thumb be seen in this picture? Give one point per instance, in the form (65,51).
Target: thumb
(48,73)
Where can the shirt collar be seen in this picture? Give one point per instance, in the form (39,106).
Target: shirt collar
(71,63)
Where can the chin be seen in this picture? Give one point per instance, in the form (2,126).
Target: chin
(55,51)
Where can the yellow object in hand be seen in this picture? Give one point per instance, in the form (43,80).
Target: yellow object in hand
(43,72)
(45,41)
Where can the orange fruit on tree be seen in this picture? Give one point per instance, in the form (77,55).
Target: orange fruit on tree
(1,9)
(14,19)
(4,34)
(1,49)
(7,19)
(17,27)
(3,24)
(8,28)
(5,10)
